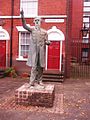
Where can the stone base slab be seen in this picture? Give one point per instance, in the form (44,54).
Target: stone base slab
(35,96)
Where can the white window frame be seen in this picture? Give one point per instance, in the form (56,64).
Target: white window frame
(86,19)
(21,58)
(86,39)
(87,4)
(27,13)
(86,9)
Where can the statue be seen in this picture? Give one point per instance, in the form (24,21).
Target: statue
(36,56)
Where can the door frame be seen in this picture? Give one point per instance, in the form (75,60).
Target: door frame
(55,34)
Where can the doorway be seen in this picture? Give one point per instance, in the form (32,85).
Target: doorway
(54,55)
(54,50)
(2,53)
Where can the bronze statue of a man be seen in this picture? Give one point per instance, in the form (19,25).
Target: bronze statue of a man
(36,56)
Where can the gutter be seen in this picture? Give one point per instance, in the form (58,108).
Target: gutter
(11,37)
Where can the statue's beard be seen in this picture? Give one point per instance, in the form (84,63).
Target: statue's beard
(37,27)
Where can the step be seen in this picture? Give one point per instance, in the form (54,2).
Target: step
(1,73)
(52,80)
(53,76)
(54,72)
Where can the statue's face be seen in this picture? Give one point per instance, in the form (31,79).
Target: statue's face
(37,22)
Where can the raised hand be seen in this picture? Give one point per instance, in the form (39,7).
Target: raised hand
(22,12)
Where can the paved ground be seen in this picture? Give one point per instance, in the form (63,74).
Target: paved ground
(72,101)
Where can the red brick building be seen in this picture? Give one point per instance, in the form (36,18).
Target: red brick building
(63,20)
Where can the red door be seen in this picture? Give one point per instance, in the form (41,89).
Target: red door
(2,53)
(54,55)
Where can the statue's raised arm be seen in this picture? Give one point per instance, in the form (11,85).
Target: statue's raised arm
(24,22)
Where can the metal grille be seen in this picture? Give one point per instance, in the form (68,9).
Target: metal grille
(80,59)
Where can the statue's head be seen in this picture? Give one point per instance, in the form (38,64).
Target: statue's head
(37,21)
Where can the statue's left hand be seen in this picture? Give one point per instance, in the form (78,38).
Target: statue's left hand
(22,12)
(47,42)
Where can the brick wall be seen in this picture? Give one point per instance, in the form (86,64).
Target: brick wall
(71,26)
(5,7)
(77,17)
(54,7)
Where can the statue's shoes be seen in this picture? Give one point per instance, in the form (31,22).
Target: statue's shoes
(41,83)
(30,85)
(38,86)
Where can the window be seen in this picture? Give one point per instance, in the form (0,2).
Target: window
(86,9)
(86,39)
(24,42)
(85,54)
(86,23)
(86,20)
(30,7)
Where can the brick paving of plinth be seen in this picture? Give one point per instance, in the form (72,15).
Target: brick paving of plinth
(9,104)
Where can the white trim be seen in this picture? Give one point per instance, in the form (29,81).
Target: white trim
(46,57)
(4,34)
(84,15)
(86,3)
(86,19)
(58,34)
(19,45)
(21,29)
(54,20)
(60,56)
(21,59)
(10,17)
(86,9)
(29,0)
(6,53)
(42,16)
(86,36)
(54,16)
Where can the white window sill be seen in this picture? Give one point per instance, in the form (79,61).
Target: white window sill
(21,59)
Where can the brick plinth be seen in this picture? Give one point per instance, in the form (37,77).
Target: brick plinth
(35,96)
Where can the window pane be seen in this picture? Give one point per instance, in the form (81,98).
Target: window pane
(86,9)
(84,59)
(24,43)
(85,52)
(30,7)
(28,38)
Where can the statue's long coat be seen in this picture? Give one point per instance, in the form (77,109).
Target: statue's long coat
(37,47)
(39,39)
